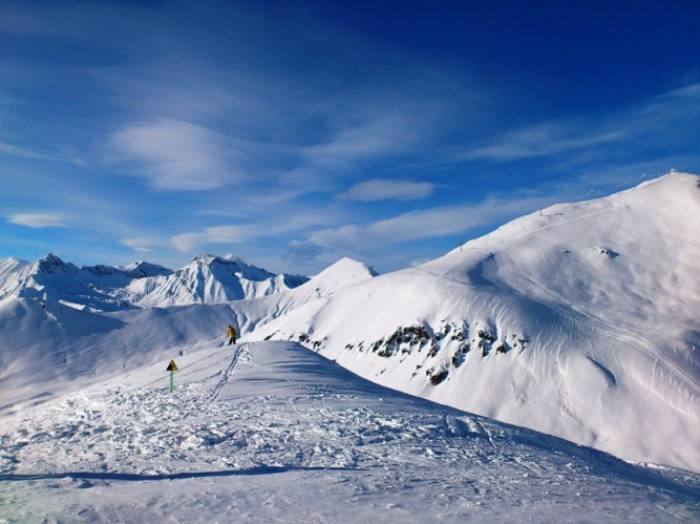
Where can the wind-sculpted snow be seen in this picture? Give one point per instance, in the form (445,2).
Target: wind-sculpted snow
(579,320)
(272,432)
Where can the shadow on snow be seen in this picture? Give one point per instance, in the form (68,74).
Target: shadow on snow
(89,475)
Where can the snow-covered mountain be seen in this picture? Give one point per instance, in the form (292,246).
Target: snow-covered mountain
(47,346)
(210,279)
(141,269)
(95,288)
(207,279)
(580,321)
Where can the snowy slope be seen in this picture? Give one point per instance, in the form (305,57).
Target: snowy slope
(253,314)
(47,344)
(580,321)
(47,348)
(270,432)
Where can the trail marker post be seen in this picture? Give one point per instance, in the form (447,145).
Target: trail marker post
(172,367)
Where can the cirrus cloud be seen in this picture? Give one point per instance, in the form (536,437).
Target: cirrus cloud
(384,189)
(37,220)
(178,156)
(425,223)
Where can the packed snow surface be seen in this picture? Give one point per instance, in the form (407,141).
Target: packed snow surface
(271,432)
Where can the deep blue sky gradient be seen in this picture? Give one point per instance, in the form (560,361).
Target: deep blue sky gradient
(293,133)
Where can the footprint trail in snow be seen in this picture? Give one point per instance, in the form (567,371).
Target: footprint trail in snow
(271,431)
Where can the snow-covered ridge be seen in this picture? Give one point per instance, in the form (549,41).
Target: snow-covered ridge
(211,279)
(49,334)
(270,432)
(579,320)
(343,273)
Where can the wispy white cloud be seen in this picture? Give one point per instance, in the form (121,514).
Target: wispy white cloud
(214,235)
(11,149)
(387,189)
(236,233)
(669,116)
(37,220)
(379,135)
(277,195)
(177,156)
(141,244)
(540,140)
(426,223)
(25,152)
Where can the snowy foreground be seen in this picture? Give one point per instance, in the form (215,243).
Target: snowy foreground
(273,432)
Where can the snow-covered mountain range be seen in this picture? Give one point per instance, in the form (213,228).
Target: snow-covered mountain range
(580,320)
(208,279)
(48,343)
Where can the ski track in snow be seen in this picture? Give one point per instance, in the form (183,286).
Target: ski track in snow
(601,327)
(227,374)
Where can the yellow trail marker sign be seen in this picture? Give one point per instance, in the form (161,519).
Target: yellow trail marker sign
(172,367)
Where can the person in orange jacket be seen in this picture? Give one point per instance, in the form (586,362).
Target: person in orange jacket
(231,334)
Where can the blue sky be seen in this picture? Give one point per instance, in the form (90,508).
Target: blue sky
(293,133)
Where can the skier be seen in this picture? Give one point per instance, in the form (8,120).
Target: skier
(231,334)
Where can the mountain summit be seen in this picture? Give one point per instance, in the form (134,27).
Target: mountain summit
(210,279)
(579,320)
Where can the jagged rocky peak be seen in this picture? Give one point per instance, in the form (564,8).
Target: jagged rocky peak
(101,269)
(208,259)
(205,258)
(52,263)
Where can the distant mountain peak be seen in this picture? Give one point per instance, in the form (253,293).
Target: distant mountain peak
(205,258)
(51,258)
(141,268)
(52,263)
(347,264)
(230,263)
